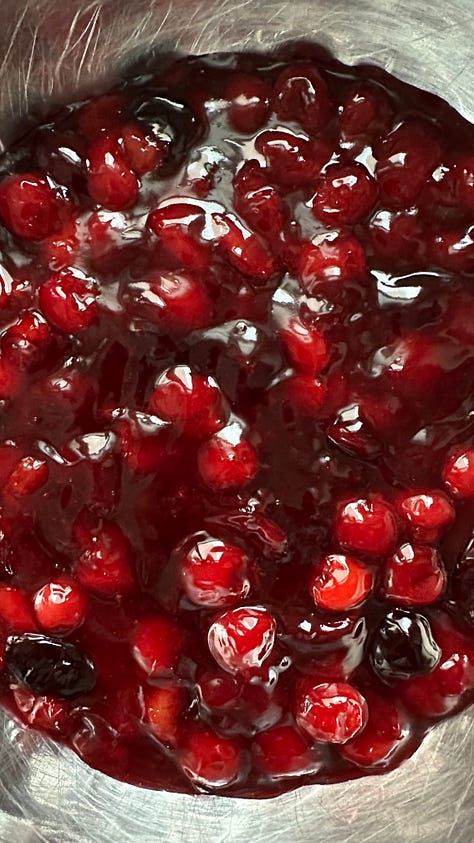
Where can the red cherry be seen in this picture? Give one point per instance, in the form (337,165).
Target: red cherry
(142,152)
(110,246)
(398,236)
(111,183)
(282,751)
(459,318)
(249,102)
(100,115)
(332,257)
(293,161)
(366,525)
(458,474)
(43,712)
(332,712)
(176,302)
(157,645)
(144,450)
(301,94)
(257,202)
(179,226)
(29,475)
(164,710)
(61,249)
(441,691)
(453,249)
(217,690)
(31,207)
(214,573)
(305,394)
(366,111)
(104,566)
(242,639)
(25,343)
(243,248)
(16,611)
(385,735)
(341,583)
(345,194)
(418,362)
(414,574)
(464,181)
(193,403)
(227,460)
(68,301)
(305,346)
(60,606)
(210,760)
(428,514)
(405,160)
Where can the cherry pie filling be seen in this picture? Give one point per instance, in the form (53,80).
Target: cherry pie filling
(236,423)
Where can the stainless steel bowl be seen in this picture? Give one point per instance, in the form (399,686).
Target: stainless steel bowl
(51,50)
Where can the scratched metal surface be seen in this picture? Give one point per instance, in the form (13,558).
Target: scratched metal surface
(48,50)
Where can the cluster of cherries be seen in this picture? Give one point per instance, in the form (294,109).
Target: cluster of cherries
(236,426)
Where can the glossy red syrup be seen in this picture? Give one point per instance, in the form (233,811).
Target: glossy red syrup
(236,435)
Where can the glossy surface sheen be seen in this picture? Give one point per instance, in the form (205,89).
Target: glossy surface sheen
(297,495)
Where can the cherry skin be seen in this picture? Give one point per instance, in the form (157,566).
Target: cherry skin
(332,257)
(398,237)
(16,610)
(427,515)
(60,606)
(306,348)
(365,525)
(292,161)
(242,639)
(365,111)
(245,251)
(43,712)
(441,691)
(157,645)
(192,402)
(104,565)
(341,583)
(164,708)
(404,646)
(210,760)
(111,183)
(304,393)
(26,342)
(227,460)
(30,207)
(282,751)
(28,476)
(179,227)
(458,474)
(301,94)
(414,575)
(345,194)
(384,737)
(214,573)
(176,302)
(143,153)
(101,114)
(331,712)
(405,160)
(68,301)
(249,102)
(257,201)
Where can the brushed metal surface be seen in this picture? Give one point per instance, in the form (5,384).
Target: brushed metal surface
(50,49)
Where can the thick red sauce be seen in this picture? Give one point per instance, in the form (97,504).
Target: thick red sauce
(236,436)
